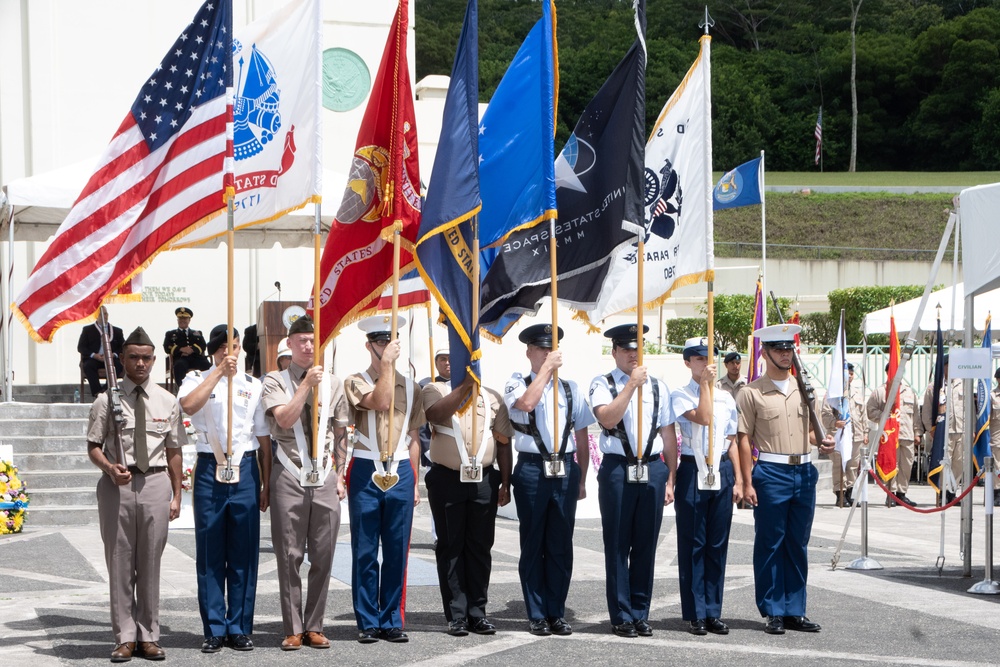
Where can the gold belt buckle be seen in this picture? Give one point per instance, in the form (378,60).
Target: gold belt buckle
(794,459)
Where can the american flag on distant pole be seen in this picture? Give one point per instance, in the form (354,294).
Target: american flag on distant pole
(161,175)
(819,135)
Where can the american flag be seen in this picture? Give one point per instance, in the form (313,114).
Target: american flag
(161,175)
(819,134)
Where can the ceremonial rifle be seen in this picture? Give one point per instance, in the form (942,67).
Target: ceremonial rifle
(802,378)
(114,393)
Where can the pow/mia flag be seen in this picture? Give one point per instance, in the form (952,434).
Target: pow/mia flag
(599,193)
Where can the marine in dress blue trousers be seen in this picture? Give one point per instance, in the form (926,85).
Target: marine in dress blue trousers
(546,507)
(631,513)
(382,517)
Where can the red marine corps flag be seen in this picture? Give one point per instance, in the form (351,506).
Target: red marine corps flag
(382,195)
(885,461)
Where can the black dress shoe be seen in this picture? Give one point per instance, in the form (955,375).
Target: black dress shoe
(481,626)
(212,644)
(996,499)
(716,626)
(948,497)
(889,502)
(642,628)
(698,627)
(625,630)
(775,625)
(395,635)
(539,628)
(559,626)
(906,501)
(458,628)
(240,643)
(800,623)
(369,636)
(848,498)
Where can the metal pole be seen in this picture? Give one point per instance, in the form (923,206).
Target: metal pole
(864,562)
(970,421)
(987,586)
(763,236)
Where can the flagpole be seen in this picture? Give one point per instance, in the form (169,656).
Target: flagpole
(763,235)
(554,271)
(230,307)
(318,349)
(640,299)
(710,251)
(397,230)
(430,340)
(475,323)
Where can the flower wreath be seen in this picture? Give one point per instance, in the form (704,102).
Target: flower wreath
(13,499)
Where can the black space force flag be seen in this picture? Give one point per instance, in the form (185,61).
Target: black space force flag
(599,192)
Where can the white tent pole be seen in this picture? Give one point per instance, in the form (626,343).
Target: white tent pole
(967,437)
(8,377)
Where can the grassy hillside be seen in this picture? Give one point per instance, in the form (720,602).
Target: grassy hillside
(851,225)
(964,179)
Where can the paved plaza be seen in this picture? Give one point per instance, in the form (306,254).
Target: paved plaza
(54,603)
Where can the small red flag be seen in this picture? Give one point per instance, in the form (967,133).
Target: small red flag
(885,462)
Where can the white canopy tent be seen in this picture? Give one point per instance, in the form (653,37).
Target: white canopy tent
(979,213)
(905,313)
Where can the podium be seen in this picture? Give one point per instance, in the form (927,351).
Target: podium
(273,318)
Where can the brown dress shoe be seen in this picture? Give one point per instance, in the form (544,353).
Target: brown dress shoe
(152,650)
(123,652)
(316,640)
(291,643)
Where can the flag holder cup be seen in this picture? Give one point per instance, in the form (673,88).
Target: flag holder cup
(987,586)
(864,562)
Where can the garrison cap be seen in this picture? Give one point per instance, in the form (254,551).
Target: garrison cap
(218,338)
(139,337)
(778,336)
(625,336)
(697,347)
(732,356)
(379,327)
(183,311)
(539,335)
(302,324)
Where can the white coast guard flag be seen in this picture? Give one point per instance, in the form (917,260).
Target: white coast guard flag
(277,137)
(838,395)
(678,175)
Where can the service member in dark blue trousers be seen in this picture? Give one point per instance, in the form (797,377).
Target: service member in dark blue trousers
(228,497)
(634,482)
(382,486)
(706,490)
(781,488)
(547,481)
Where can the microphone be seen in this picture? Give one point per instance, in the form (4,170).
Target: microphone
(277,284)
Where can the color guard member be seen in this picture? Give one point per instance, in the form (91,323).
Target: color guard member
(137,497)
(547,485)
(909,437)
(732,381)
(227,492)
(703,501)
(634,482)
(382,482)
(774,416)
(305,493)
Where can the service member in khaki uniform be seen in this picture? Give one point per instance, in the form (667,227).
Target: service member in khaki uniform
(137,497)
(844,477)
(382,483)
(930,416)
(468,478)
(909,438)
(305,500)
(995,435)
(782,486)
(732,381)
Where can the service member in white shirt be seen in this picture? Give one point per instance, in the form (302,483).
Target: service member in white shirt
(635,481)
(230,491)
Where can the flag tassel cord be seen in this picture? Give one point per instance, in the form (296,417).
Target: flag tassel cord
(906,353)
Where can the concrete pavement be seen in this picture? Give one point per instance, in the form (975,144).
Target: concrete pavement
(54,603)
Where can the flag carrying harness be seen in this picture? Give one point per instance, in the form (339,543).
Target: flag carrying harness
(531,428)
(619,430)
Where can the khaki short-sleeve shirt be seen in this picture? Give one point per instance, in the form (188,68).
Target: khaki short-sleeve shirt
(776,423)
(356,388)
(443,449)
(164,426)
(275,395)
